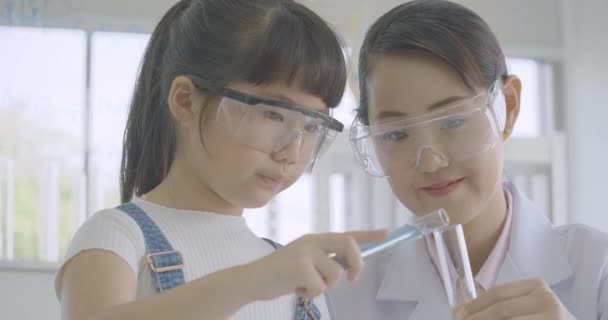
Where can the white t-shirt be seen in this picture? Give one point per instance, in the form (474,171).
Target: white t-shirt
(207,242)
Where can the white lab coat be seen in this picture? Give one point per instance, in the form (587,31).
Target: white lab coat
(404,285)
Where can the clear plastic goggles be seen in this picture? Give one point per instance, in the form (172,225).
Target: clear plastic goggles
(271,125)
(457,132)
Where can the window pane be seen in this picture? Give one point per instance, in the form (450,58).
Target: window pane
(294,206)
(533,112)
(338,202)
(288,216)
(258,220)
(42,88)
(345,111)
(115,60)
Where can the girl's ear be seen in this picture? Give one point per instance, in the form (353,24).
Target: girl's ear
(184,102)
(512,93)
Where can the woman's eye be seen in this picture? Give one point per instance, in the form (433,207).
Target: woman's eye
(453,123)
(394,136)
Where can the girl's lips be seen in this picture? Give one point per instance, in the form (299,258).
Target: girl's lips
(271,181)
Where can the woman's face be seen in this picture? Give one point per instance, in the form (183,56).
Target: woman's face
(404,86)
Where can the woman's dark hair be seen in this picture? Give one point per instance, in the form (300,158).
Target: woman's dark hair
(257,41)
(441,29)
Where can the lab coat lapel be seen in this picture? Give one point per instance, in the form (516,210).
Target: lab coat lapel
(411,280)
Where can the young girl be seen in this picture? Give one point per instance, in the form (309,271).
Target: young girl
(437,105)
(231,107)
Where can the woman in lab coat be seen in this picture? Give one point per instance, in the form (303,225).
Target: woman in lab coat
(437,105)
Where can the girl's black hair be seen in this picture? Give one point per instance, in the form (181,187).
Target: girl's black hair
(257,41)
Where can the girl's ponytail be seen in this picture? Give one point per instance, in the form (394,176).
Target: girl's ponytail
(147,135)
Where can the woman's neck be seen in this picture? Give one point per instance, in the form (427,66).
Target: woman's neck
(483,231)
(184,191)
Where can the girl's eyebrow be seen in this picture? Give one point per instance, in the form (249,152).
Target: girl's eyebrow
(282,97)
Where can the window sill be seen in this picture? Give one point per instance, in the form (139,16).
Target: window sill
(29,266)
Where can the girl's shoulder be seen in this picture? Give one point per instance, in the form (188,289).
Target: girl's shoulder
(110,222)
(110,230)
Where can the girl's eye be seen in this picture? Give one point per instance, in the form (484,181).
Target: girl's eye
(312,128)
(272,115)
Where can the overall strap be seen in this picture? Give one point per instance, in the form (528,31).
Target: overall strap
(165,263)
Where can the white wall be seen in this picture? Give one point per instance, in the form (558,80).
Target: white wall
(27,295)
(524,27)
(586,79)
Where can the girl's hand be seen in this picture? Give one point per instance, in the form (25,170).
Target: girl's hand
(308,266)
(524,300)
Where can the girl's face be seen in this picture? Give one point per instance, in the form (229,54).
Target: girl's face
(228,161)
(405,86)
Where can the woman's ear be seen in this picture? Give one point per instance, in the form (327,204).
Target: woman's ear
(512,93)
(184,101)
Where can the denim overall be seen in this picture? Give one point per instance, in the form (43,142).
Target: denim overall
(167,264)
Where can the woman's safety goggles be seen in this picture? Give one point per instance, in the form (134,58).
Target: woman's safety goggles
(457,132)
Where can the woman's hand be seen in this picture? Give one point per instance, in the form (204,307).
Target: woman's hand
(524,300)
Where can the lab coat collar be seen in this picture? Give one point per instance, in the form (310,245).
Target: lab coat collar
(534,252)
(535,247)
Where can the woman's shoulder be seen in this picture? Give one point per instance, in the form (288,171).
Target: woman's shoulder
(586,246)
(578,234)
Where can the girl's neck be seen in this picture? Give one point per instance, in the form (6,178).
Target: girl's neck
(483,231)
(184,191)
